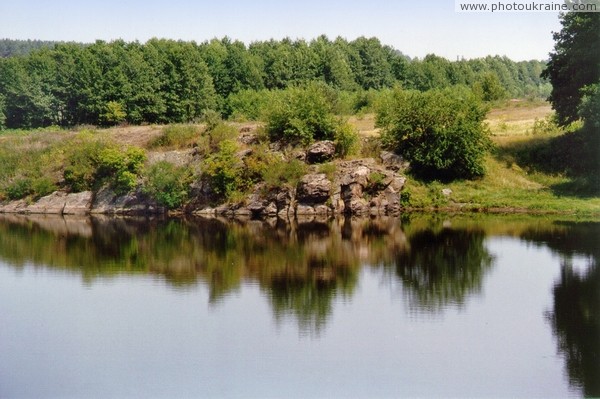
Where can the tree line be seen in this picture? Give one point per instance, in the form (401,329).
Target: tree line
(167,81)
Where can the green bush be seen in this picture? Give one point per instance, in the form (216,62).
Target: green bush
(176,136)
(168,184)
(42,186)
(224,170)
(30,187)
(2,114)
(346,140)
(81,163)
(19,188)
(258,163)
(114,113)
(546,126)
(284,172)
(301,115)
(440,132)
(211,118)
(93,162)
(248,104)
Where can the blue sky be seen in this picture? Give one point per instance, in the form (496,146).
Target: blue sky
(417,28)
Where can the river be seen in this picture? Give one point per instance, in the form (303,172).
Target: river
(418,306)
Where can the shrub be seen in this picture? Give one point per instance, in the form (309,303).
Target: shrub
(19,188)
(114,113)
(346,140)
(176,136)
(546,126)
(285,172)
(2,114)
(42,186)
(91,163)
(224,170)
(440,132)
(259,162)
(211,118)
(168,184)
(248,104)
(81,163)
(301,115)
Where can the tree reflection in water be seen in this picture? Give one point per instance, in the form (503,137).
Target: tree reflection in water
(442,268)
(305,267)
(575,317)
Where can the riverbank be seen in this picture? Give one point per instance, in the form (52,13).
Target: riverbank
(302,181)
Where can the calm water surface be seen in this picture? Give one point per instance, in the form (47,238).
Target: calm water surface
(423,306)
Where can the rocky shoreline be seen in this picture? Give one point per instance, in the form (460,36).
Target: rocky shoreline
(356,187)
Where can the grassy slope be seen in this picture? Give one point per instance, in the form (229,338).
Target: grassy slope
(507,186)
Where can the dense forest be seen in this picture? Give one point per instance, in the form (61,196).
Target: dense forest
(166,81)
(10,47)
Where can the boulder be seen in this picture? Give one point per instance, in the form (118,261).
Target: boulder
(78,203)
(321,151)
(313,189)
(393,161)
(106,201)
(50,204)
(17,206)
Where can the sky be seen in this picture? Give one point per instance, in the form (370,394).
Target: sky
(417,27)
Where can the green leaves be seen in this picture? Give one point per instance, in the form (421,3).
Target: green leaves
(168,184)
(573,65)
(440,132)
(92,162)
(301,115)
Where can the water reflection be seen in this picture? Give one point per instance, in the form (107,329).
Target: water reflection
(442,268)
(575,317)
(305,267)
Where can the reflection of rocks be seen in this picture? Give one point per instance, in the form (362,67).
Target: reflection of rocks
(58,225)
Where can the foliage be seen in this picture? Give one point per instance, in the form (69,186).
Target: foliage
(166,81)
(224,170)
(346,140)
(114,113)
(217,132)
(572,66)
(2,115)
(248,104)
(176,136)
(168,184)
(589,109)
(301,115)
(91,163)
(440,132)
(488,87)
(546,126)
(284,172)
(35,187)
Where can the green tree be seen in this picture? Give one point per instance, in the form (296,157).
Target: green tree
(488,87)
(232,67)
(2,115)
(302,114)
(574,64)
(372,71)
(440,132)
